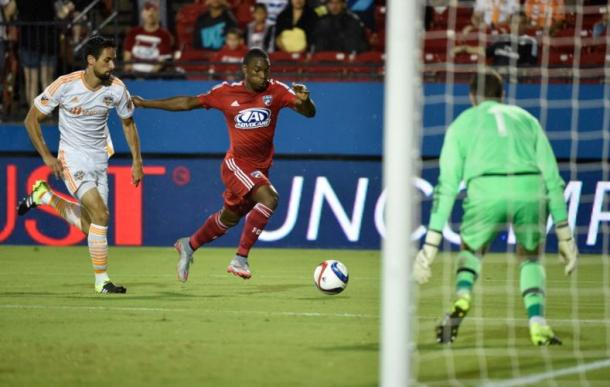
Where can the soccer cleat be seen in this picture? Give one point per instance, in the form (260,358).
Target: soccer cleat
(447,330)
(109,287)
(185,258)
(33,200)
(239,267)
(543,335)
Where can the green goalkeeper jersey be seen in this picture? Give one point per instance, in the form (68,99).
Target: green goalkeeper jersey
(493,138)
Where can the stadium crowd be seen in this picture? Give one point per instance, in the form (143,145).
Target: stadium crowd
(311,39)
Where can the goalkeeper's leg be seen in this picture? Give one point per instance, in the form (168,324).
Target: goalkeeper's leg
(469,268)
(532,284)
(529,225)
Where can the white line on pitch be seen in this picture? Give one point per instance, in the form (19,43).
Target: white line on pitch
(551,374)
(169,310)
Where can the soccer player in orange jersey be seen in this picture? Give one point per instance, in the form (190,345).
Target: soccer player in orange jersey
(84,99)
(251,108)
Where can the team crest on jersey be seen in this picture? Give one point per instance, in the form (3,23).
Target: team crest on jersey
(79,175)
(253,118)
(108,100)
(267,99)
(256,174)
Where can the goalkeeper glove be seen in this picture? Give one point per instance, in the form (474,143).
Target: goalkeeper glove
(568,252)
(425,257)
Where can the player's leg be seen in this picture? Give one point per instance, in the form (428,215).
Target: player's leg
(529,225)
(215,226)
(95,206)
(42,194)
(265,199)
(484,215)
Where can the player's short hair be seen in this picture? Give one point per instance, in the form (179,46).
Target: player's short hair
(487,84)
(95,45)
(255,53)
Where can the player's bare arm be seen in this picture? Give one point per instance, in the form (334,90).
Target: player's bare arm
(179,103)
(133,139)
(32,124)
(304,105)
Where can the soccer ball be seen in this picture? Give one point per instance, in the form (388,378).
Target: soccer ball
(331,277)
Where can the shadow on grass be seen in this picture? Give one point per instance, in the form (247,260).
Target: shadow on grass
(262,289)
(368,347)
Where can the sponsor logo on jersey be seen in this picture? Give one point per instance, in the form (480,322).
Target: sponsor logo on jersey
(267,99)
(256,174)
(253,118)
(108,100)
(79,175)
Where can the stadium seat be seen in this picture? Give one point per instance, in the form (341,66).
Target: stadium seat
(369,62)
(195,61)
(329,62)
(286,62)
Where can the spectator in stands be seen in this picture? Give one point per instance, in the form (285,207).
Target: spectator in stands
(232,53)
(274,8)
(259,33)
(339,30)
(149,42)
(543,14)
(601,26)
(294,27)
(7,11)
(514,48)
(211,26)
(365,10)
(139,6)
(38,44)
(492,14)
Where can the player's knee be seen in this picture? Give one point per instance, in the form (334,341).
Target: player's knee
(271,199)
(100,216)
(229,218)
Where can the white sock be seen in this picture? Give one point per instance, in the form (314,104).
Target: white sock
(537,320)
(101,278)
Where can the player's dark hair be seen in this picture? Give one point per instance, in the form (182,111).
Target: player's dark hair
(95,45)
(235,31)
(255,53)
(487,84)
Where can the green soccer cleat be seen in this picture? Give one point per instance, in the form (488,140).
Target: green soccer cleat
(108,287)
(33,200)
(447,329)
(543,335)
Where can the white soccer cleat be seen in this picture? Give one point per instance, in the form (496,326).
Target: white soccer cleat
(185,258)
(239,267)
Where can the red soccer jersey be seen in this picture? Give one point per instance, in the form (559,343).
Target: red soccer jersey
(251,118)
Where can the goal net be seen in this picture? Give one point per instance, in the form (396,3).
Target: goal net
(555,63)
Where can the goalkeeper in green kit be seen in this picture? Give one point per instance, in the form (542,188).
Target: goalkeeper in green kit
(505,159)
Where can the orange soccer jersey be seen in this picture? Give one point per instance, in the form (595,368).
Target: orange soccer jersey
(541,13)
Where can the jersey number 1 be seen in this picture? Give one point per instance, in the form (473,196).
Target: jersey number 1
(499,116)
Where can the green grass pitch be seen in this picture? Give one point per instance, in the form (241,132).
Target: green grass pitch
(275,329)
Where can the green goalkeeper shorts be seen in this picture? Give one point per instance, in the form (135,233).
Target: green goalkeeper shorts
(495,201)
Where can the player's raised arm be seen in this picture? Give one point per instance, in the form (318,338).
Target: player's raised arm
(32,125)
(304,105)
(133,139)
(179,103)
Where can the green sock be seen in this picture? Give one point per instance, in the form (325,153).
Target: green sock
(469,267)
(532,287)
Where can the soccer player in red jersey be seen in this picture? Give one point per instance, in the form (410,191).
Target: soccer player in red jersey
(251,108)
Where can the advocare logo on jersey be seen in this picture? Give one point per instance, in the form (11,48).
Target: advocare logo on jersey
(253,118)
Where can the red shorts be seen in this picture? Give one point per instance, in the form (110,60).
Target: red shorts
(240,178)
